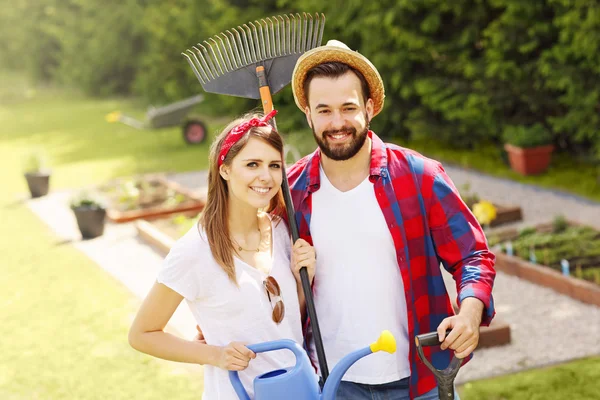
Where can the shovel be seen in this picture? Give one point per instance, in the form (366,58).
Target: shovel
(254,61)
(445,377)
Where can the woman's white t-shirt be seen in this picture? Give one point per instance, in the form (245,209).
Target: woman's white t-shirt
(228,313)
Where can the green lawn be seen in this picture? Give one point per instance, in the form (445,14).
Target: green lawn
(576,380)
(65,321)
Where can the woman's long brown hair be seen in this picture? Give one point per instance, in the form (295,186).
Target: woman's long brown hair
(215,216)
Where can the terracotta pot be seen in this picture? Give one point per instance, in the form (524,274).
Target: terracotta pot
(529,161)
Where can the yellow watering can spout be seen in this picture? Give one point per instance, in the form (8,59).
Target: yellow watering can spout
(386,342)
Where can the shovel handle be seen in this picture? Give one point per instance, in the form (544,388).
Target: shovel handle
(444,378)
(429,339)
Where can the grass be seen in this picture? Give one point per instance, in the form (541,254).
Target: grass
(65,324)
(64,320)
(575,380)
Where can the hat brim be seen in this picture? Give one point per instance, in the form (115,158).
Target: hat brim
(327,54)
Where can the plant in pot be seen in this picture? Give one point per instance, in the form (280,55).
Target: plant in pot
(90,211)
(37,174)
(529,148)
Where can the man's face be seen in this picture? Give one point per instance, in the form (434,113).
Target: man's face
(338,116)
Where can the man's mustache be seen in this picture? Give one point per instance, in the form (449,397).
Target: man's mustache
(349,130)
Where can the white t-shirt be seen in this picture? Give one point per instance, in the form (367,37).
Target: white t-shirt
(358,289)
(228,313)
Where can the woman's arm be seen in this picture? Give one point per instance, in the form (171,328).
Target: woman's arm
(147,335)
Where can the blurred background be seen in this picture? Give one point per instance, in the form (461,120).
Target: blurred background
(87,94)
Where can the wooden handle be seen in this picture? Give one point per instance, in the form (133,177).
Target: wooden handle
(265,91)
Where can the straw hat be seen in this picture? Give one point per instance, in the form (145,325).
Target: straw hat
(334,51)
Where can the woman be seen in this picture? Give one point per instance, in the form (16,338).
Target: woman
(235,269)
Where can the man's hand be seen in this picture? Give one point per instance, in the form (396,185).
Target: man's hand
(465,328)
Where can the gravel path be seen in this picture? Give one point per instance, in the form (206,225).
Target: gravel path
(547,327)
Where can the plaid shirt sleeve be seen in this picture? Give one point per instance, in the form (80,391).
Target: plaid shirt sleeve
(460,243)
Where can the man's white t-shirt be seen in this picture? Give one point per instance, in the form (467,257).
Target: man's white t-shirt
(228,313)
(358,289)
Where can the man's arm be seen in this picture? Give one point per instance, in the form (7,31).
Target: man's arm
(462,248)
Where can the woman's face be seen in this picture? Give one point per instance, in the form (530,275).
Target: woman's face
(255,174)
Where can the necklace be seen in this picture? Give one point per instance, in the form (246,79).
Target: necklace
(240,248)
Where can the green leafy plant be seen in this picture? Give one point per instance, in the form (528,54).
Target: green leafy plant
(35,161)
(87,199)
(527,136)
(559,224)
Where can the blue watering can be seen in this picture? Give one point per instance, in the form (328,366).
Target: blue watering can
(299,381)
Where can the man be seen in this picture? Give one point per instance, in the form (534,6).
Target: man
(381,218)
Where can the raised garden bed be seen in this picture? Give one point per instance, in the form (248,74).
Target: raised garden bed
(162,233)
(539,253)
(148,197)
(504,213)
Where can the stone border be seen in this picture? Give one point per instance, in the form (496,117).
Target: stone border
(195,203)
(576,288)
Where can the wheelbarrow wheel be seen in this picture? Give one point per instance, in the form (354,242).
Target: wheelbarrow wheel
(194,131)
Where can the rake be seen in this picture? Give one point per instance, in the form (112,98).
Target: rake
(254,61)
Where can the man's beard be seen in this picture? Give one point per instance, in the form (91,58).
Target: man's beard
(347,151)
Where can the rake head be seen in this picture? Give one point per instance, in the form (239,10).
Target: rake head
(226,63)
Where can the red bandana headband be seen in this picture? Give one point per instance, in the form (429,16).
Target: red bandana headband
(239,131)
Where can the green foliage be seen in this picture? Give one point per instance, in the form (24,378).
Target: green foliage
(88,199)
(559,224)
(526,136)
(35,161)
(462,73)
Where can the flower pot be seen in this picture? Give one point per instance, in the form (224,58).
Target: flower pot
(90,221)
(529,161)
(38,183)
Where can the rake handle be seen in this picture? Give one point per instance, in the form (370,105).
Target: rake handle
(265,91)
(267,103)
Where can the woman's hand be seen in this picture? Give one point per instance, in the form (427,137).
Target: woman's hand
(303,255)
(234,357)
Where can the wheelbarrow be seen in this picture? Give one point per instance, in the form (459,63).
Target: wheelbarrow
(193,129)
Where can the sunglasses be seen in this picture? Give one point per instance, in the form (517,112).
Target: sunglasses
(274,294)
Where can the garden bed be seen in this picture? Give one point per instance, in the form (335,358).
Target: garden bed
(504,213)
(563,256)
(148,197)
(162,233)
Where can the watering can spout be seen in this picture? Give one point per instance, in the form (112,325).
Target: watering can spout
(385,342)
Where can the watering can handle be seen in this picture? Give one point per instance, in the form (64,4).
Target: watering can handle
(444,378)
(282,344)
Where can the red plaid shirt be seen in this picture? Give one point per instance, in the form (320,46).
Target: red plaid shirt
(429,224)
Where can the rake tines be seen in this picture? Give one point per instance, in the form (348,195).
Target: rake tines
(254,43)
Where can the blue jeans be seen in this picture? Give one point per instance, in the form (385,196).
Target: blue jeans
(397,390)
